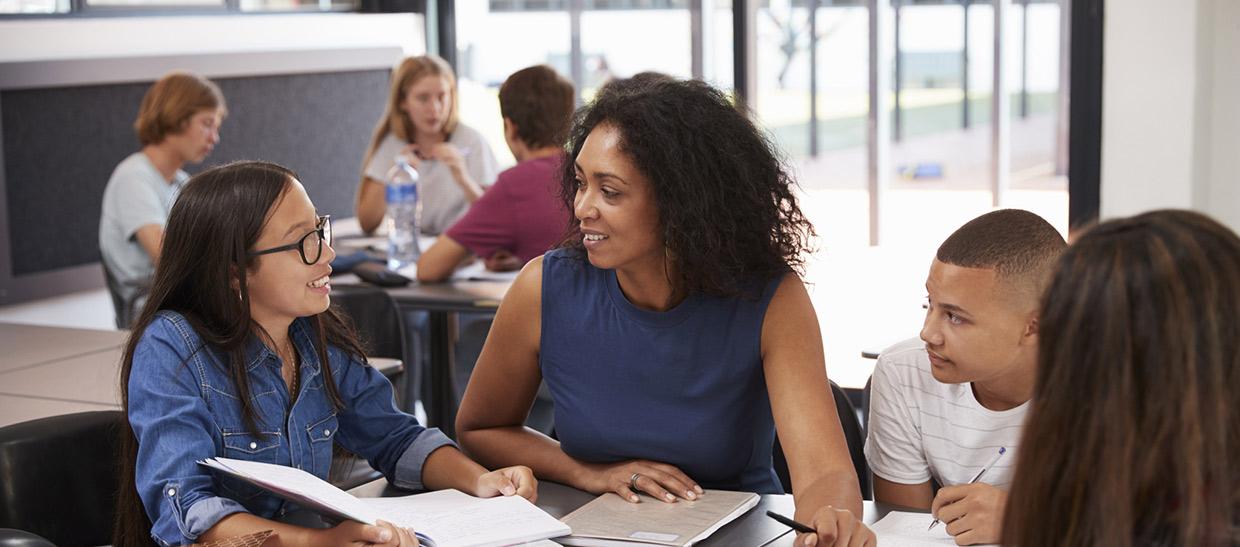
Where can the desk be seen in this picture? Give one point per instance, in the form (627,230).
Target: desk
(48,371)
(15,409)
(751,529)
(32,345)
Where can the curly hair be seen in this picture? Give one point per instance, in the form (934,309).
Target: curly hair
(727,205)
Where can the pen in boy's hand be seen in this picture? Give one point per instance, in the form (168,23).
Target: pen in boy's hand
(993,461)
(790,523)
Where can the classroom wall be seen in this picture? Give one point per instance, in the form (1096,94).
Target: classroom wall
(65,82)
(1171,123)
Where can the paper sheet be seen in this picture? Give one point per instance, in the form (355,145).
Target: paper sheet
(454,518)
(902,529)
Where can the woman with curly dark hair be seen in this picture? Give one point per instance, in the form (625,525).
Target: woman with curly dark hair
(671,327)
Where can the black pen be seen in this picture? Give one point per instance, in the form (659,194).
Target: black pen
(791,523)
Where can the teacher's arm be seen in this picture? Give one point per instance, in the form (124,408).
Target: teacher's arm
(824,482)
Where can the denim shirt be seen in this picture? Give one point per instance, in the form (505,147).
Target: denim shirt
(183,408)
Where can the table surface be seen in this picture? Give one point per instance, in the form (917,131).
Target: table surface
(751,529)
(32,345)
(90,378)
(15,409)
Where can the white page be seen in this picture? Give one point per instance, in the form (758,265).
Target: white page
(480,522)
(296,481)
(477,271)
(902,529)
(440,500)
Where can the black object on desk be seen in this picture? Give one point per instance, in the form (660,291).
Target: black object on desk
(377,274)
(345,263)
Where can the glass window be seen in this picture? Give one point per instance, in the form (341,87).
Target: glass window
(34,6)
(298,5)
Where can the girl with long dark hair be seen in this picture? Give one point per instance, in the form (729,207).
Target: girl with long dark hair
(1134,432)
(238,354)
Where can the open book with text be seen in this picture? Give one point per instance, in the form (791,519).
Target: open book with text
(441,519)
(609,520)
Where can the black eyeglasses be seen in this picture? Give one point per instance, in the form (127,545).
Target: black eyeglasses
(310,246)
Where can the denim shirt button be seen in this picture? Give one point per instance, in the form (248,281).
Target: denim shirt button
(327,432)
(253,446)
(172,492)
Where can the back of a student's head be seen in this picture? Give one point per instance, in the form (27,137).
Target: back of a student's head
(170,103)
(1134,432)
(1019,246)
(539,102)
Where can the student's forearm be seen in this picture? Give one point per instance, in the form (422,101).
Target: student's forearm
(838,489)
(516,445)
(470,188)
(371,205)
(239,524)
(447,467)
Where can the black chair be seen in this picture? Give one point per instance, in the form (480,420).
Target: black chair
(58,478)
(852,434)
(377,320)
(126,310)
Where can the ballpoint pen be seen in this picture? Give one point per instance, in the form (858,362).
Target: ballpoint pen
(980,472)
(790,523)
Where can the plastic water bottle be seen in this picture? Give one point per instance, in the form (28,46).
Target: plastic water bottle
(404,212)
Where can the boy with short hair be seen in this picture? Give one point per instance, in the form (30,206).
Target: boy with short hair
(942,407)
(521,215)
(178,123)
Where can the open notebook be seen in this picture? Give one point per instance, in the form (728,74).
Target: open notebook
(609,520)
(901,529)
(441,519)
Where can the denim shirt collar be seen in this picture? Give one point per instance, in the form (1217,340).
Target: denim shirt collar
(303,337)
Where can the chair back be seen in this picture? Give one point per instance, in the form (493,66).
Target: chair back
(852,434)
(126,310)
(58,476)
(376,318)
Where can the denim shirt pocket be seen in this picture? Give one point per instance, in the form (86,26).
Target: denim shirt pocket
(321,434)
(240,444)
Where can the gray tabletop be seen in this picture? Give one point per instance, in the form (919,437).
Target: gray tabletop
(754,528)
(31,345)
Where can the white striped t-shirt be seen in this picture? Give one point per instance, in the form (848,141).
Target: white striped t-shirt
(921,428)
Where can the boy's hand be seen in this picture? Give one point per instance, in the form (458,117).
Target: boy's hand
(973,513)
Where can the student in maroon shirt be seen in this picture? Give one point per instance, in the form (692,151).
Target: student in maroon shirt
(521,216)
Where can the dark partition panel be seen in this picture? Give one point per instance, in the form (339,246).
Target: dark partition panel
(61,144)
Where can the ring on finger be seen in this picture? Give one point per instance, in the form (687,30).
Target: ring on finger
(633,481)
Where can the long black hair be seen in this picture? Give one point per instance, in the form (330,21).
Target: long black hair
(727,204)
(1134,432)
(214,224)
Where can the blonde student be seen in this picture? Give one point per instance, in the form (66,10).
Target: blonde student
(178,123)
(1134,433)
(943,406)
(238,354)
(421,122)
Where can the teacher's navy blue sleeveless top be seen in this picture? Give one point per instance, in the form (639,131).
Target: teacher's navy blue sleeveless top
(683,387)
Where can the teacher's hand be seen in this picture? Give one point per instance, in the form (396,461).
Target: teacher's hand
(662,481)
(837,528)
(517,480)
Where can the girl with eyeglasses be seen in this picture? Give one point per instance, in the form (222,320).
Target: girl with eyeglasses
(238,354)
